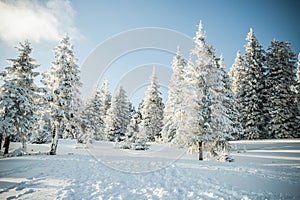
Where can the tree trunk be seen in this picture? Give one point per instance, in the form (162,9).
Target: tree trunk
(23,140)
(200,152)
(54,139)
(1,138)
(6,144)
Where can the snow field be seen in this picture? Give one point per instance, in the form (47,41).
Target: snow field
(262,170)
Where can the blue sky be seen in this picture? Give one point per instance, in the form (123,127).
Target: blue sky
(92,22)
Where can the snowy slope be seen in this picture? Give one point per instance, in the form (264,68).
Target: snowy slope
(262,170)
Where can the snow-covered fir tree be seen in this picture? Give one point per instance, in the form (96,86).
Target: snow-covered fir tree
(117,117)
(175,98)
(133,128)
(136,138)
(216,125)
(249,97)
(235,73)
(152,111)
(188,117)
(42,131)
(279,104)
(105,98)
(233,127)
(63,83)
(92,123)
(206,117)
(41,134)
(19,95)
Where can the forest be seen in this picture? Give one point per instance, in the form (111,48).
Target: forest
(259,98)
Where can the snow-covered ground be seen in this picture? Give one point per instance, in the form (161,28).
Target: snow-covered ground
(261,170)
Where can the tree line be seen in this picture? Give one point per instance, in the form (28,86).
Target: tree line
(258,99)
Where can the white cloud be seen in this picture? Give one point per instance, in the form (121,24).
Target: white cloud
(36,21)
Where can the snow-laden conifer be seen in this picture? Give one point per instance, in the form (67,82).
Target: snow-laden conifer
(63,83)
(249,96)
(279,105)
(235,73)
(175,98)
(188,116)
(19,96)
(92,122)
(117,117)
(234,129)
(152,111)
(105,98)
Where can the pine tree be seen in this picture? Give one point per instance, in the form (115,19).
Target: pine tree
(133,129)
(175,98)
(216,124)
(42,132)
(188,118)
(233,127)
(191,126)
(249,96)
(279,104)
(235,73)
(18,98)
(93,123)
(63,83)
(152,111)
(105,98)
(117,117)
(205,116)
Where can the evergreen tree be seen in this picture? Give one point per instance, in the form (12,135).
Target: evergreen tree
(235,73)
(117,117)
(195,105)
(93,124)
(233,127)
(42,132)
(63,83)
(18,97)
(216,125)
(206,117)
(279,104)
(105,99)
(249,96)
(133,128)
(175,98)
(152,111)
(188,117)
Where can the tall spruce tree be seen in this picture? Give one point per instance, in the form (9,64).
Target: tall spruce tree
(18,97)
(233,127)
(235,73)
(249,96)
(117,117)
(175,98)
(152,111)
(105,99)
(92,123)
(279,105)
(188,117)
(63,83)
